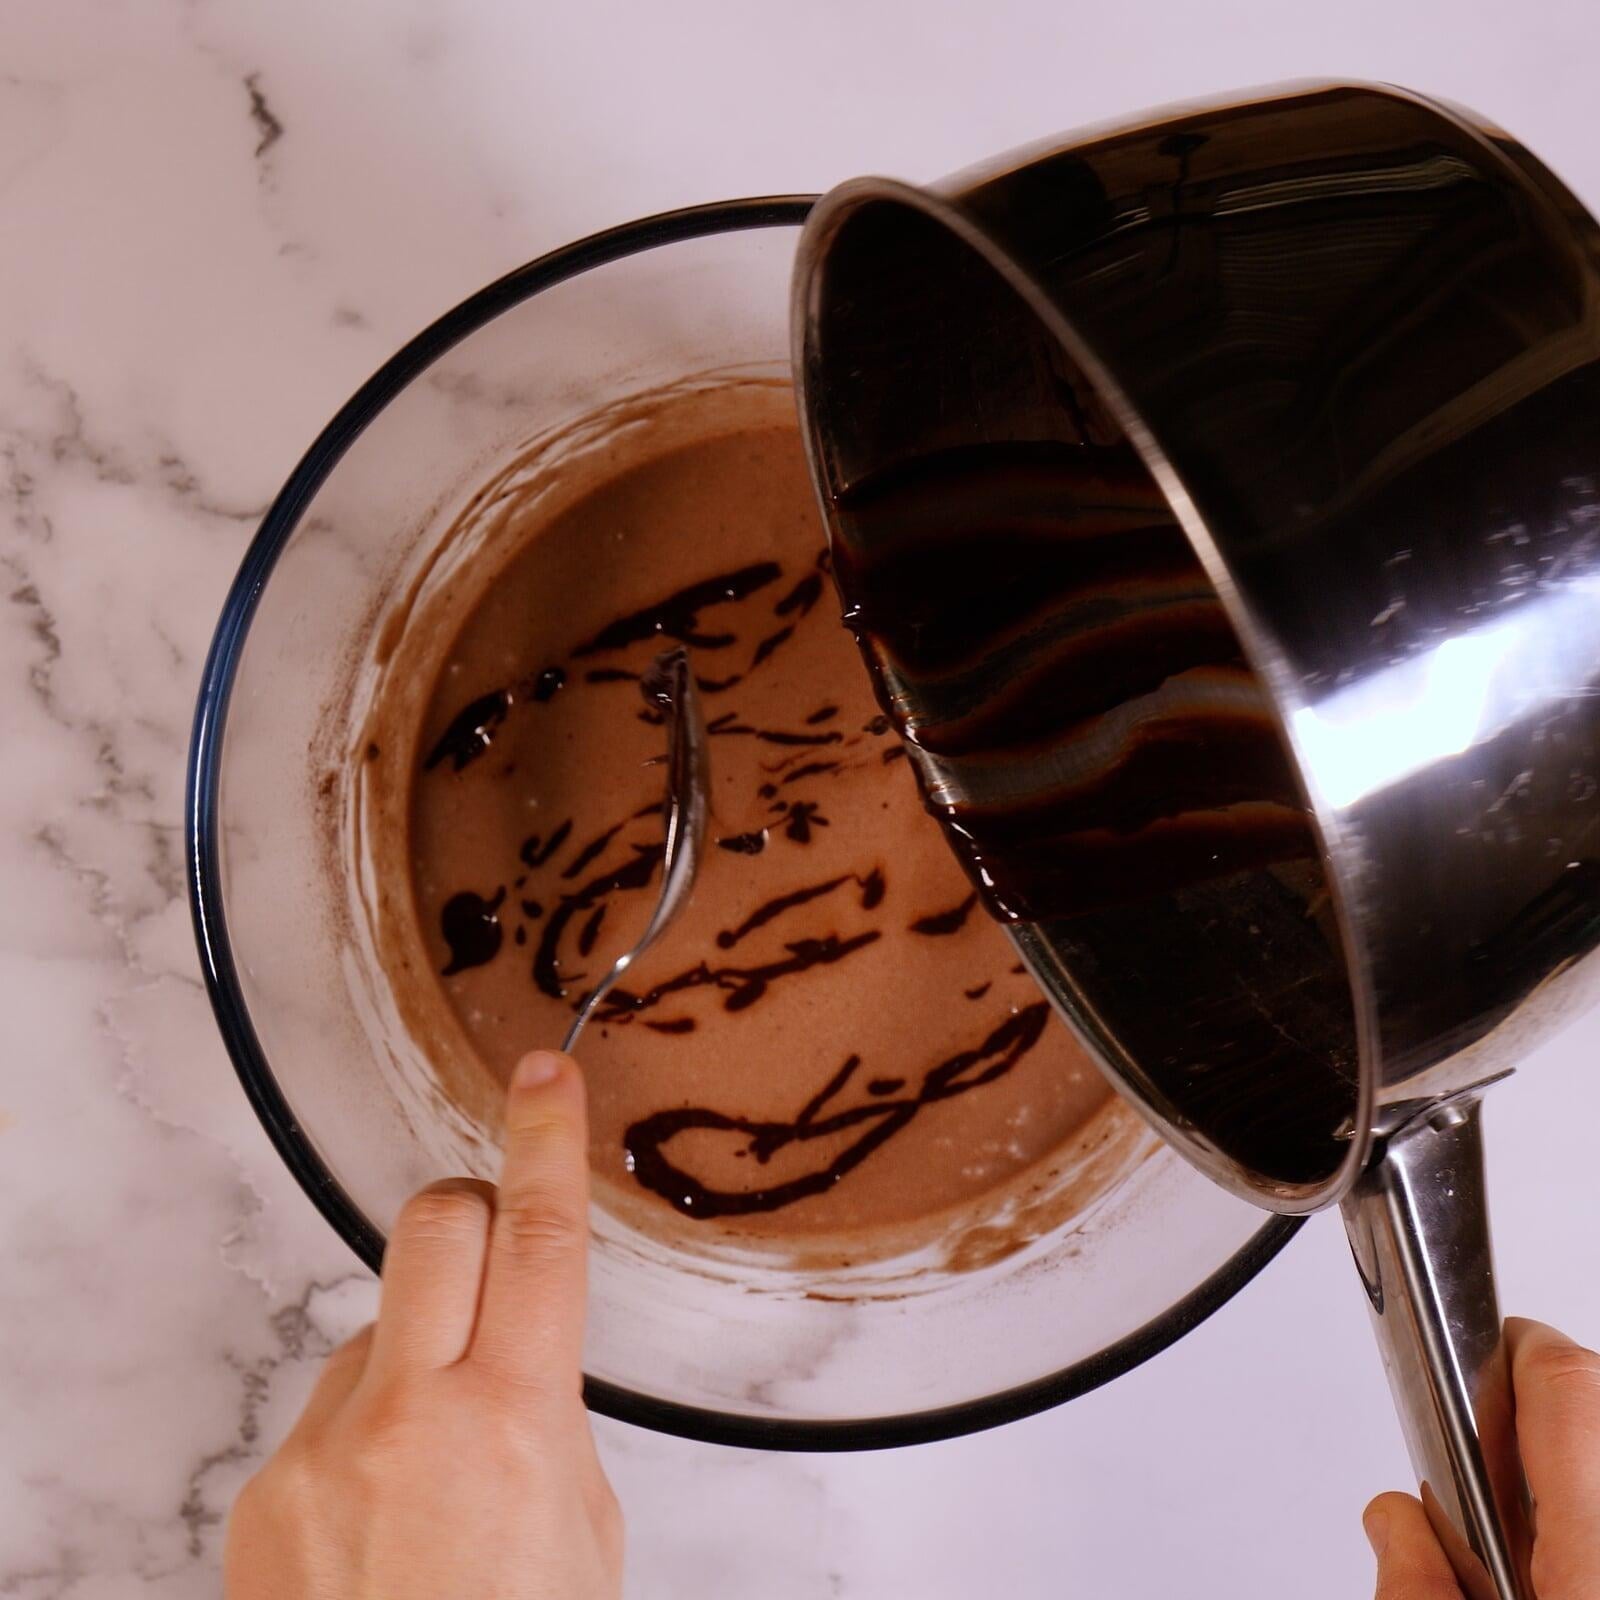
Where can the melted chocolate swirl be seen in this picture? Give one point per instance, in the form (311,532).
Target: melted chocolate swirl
(879,1120)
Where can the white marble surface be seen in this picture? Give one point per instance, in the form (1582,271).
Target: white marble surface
(217,219)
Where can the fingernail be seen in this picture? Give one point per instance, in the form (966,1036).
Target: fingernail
(536,1070)
(1377,1525)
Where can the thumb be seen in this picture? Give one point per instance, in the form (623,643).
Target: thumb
(530,1320)
(1411,1563)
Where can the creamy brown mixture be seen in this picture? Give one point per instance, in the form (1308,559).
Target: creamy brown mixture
(833,1042)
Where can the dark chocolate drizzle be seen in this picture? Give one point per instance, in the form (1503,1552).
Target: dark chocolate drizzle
(802,597)
(590,931)
(471,928)
(473,728)
(678,616)
(771,643)
(728,723)
(871,894)
(879,1120)
(810,769)
(536,851)
(939,923)
(742,986)
(471,732)
(801,817)
(634,874)
(591,850)
(474,933)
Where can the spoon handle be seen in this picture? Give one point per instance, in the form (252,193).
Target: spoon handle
(669,685)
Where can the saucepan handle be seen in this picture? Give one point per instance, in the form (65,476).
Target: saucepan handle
(1419,1226)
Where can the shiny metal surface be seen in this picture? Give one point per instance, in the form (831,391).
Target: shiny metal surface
(670,687)
(1351,337)
(1418,1230)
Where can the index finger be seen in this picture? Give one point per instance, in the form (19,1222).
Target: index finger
(530,1320)
(1557,1385)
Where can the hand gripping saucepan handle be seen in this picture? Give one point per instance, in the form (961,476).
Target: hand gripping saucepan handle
(1419,1231)
(1330,356)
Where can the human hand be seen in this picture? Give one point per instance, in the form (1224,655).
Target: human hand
(446,1450)
(1557,1388)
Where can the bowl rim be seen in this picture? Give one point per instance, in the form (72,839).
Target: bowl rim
(267,1098)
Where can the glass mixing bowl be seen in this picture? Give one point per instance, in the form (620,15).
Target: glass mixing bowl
(746,1355)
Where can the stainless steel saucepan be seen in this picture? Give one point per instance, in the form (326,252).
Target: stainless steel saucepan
(1217,500)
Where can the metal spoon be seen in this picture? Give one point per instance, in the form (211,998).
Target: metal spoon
(668,686)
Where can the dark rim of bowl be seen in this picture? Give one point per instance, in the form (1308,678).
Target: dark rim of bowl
(294,1144)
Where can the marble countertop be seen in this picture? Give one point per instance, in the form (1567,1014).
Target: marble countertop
(218,220)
